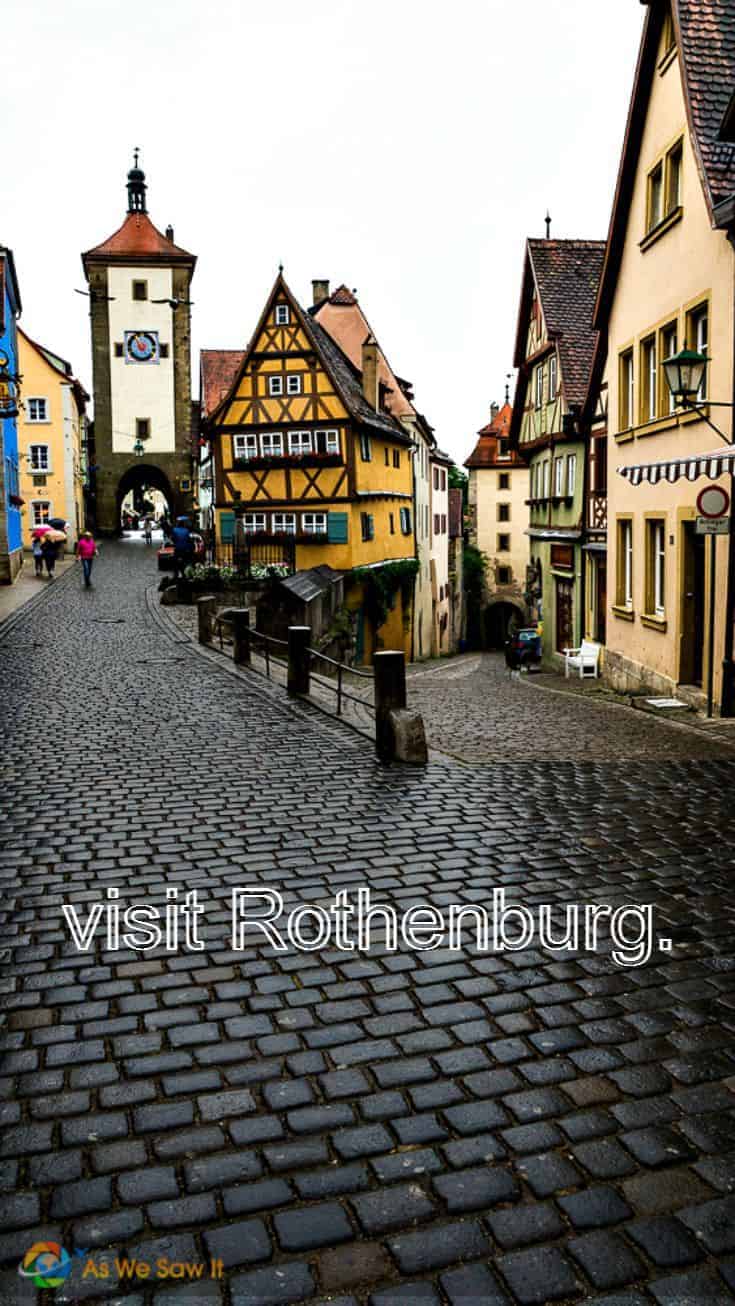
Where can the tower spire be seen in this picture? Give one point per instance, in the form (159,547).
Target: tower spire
(507,387)
(547,220)
(136,186)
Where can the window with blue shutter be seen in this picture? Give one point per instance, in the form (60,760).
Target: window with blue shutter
(337,527)
(227,527)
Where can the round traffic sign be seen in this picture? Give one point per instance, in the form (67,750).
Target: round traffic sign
(713,502)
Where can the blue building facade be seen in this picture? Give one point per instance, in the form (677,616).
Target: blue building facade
(11,541)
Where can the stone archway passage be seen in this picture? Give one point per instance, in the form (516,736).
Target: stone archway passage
(496,619)
(144,476)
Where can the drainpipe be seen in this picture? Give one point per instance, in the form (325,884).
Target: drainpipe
(727,704)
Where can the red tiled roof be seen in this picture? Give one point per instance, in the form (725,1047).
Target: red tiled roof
(485,452)
(137,237)
(342,296)
(219,368)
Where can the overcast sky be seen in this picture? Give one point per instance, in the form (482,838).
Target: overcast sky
(404,147)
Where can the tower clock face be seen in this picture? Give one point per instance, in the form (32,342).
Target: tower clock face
(141,347)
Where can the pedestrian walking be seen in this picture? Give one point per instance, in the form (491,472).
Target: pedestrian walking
(87,552)
(148,529)
(50,553)
(37,555)
(183,546)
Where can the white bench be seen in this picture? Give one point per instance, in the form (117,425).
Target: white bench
(585,659)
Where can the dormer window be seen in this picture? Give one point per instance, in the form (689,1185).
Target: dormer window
(283,316)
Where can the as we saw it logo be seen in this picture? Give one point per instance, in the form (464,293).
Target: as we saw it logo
(48,1265)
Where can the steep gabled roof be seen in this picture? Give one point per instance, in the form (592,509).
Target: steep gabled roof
(485,452)
(60,365)
(347,378)
(138,239)
(567,276)
(342,316)
(219,368)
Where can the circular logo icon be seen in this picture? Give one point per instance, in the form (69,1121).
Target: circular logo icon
(46,1264)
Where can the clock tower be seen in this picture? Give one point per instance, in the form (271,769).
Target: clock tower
(140,311)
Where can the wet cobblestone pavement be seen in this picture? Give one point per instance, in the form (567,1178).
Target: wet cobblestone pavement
(437,1127)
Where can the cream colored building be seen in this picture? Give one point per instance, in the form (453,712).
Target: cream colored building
(667,282)
(51,438)
(497,496)
(439,464)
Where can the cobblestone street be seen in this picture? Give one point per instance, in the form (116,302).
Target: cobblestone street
(438,1127)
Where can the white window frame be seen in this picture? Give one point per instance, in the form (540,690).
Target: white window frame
(39,468)
(275,387)
(558,477)
(540,386)
(552,377)
(626,544)
(255,523)
(32,412)
(366,448)
(658,563)
(669,346)
(652,353)
(314,523)
(628,389)
(283,316)
(284,523)
(293,383)
(331,441)
(571,473)
(299,443)
(271,444)
(244,447)
(546,474)
(701,343)
(40,520)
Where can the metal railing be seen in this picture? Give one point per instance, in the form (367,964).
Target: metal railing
(339,689)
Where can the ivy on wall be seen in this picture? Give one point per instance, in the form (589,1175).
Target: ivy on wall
(381,586)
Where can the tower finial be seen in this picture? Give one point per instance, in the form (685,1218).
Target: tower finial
(547,220)
(280,269)
(136,185)
(507,386)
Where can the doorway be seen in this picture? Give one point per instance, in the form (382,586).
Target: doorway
(564,614)
(692,607)
(600,597)
(498,620)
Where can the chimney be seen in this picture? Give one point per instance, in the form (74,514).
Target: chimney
(170,233)
(319,292)
(370,371)
(494,410)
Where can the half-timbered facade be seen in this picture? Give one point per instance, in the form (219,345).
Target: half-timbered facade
(309,467)
(595,497)
(554,350)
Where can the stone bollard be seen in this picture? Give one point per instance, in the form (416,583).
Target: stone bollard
(399,734)
(206,608)
(299,639)
(239,619)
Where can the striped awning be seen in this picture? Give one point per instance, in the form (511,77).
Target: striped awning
(711,465)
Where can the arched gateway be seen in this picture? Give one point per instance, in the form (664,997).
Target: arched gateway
(140,311)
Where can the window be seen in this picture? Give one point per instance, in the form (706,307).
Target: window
(405,515)
(503,512)
(444,524)
(600,464)
(571,472)
(669,346)
(299,442)
(387,456)
(673,178)
(253,523)
(140,290)
(163,351)
(558,477)
(625,564)
(649,379)
(326,441)
(698,338)
(655,566)
(539,385)
(283,317)
(391,523)
(626,397)
(275,385)
(37,410)
(38,458)
(284,523)
(503,449)
(655,197)
(504,575)
(396,457)
(293,384)
(314,523)
(437,523)
(503,480)
(119,352)
(367,525)
(245,446)
(546,475)
(366,448)
(504,544)
(436,478)
(142,428)
(552,377)
(272,444)
(40,512)
(444,479)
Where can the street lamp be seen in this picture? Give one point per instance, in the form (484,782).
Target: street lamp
(138,448)
(685,374)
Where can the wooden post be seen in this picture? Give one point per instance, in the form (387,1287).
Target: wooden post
(206,608)
(390,695)
(240,620)
(299,638)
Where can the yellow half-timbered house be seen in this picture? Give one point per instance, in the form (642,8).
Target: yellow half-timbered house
(310,467)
